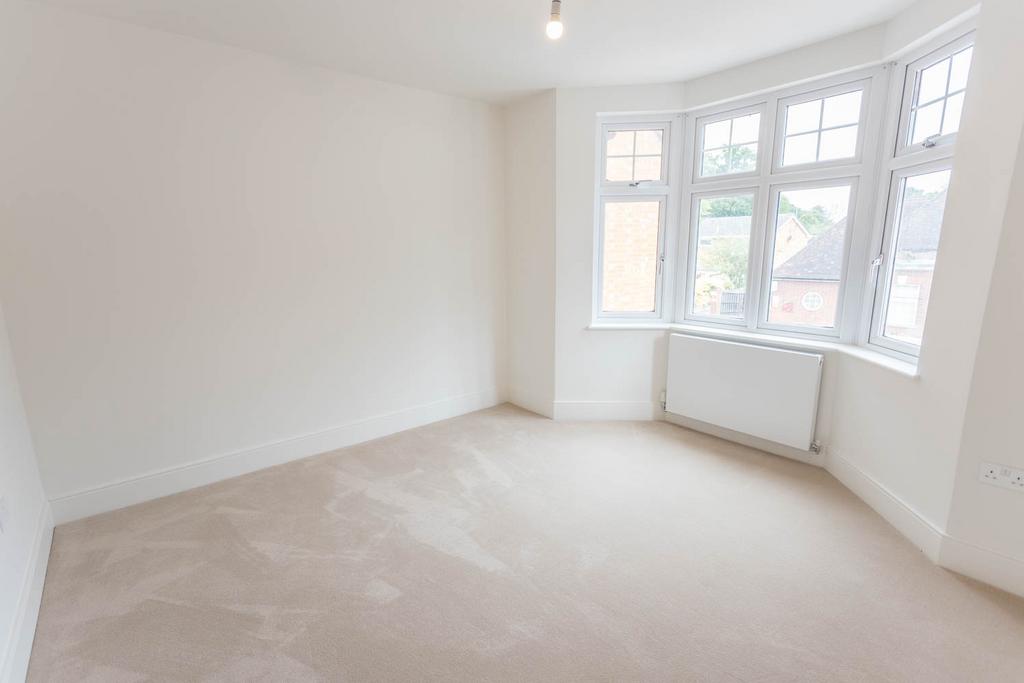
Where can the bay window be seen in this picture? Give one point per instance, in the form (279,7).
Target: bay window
(811,211)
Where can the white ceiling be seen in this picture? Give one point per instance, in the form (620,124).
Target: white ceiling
(496,49)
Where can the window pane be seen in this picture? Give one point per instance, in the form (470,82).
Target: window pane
(634,155)
(620,169)
(801,118)
(744,158)
(807,259)
(922,203)
(746,129)
(723,256)
(717,134)
(927,122)
(648,168)
(932,83)
(904,301)
(954,107)
(961,68)
(715,163)
(731,146)
(838,143)
(800,149)
(938,97)
(620,143)
(648,142)
(630,256)
(841,110)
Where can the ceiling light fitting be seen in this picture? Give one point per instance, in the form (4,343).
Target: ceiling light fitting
(555,28)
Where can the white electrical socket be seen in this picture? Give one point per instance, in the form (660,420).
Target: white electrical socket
(1002,475)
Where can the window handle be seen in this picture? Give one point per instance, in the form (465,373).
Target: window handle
(930,140)
(877,262)
(636,183)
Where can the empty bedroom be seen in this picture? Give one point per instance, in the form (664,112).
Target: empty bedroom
(511,340)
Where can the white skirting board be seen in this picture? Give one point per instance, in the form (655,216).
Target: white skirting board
(917,529)
(949,552)
(946,551)
(982,564)
(182,478)
(14,665)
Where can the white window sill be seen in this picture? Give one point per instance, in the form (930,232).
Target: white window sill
(870,355)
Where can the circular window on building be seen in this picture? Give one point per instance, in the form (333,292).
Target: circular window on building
(812,301)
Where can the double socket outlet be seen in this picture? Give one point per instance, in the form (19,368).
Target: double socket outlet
(1002,475)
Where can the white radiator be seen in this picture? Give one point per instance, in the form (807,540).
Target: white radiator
(757,390)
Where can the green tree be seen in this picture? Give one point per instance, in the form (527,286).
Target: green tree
(728,257)
(816,219)
(744,160)
(740,205)
(729,160)
(716,162)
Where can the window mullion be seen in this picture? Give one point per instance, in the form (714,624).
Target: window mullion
(758,247)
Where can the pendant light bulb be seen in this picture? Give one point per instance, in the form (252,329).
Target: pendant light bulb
(555,28)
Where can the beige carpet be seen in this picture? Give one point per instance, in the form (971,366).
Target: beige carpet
(502,546)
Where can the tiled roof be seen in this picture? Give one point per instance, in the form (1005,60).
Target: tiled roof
(922,220)
(821,259)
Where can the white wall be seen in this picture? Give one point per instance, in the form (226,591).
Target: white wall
(842,53)
(530,244)
(204,250)
(25,522)
(906,433)
(984,516)
(597,374)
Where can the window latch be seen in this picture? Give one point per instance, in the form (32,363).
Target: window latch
(636,183)
(877,261)
(930,140)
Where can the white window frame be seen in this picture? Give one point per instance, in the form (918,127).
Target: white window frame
(910,71)
(663,126)
(762,133)
(887,254)
(863,85)
(665,191)
(769,255)
(770,176)
(690,281)
(899,162)
(659,272)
